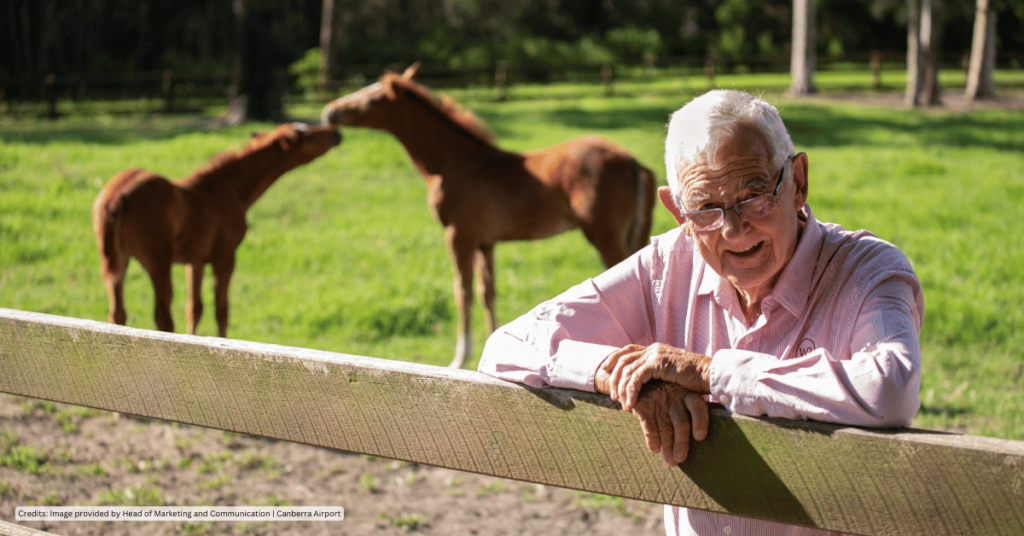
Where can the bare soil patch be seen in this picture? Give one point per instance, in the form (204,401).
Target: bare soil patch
(92,458)
(951,101)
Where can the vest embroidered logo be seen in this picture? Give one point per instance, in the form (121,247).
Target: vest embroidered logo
(805,347)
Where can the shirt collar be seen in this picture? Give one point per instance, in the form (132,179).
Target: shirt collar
(792,289)
(794,285)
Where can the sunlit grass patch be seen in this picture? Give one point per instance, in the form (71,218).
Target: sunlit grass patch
(132,496)
(343,254)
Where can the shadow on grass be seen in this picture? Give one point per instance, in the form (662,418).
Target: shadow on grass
(120,133)
(817,126)
(824,126)
(944,411)
(810,125)
(573,117)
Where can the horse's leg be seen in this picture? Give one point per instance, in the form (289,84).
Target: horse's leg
(194,307)
(222,270)
(160,272)
(114,280)
(485,286)
(462,251)
(610,243)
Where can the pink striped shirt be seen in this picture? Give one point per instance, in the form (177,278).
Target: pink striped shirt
(837,340)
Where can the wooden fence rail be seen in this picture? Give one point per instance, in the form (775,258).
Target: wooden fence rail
(876,482)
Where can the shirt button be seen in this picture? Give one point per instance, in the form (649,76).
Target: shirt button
(725,400)
(727,529)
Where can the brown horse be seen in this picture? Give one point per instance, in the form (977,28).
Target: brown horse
(482,194)
(197,220)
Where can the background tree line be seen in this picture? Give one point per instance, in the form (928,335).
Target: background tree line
(257,40)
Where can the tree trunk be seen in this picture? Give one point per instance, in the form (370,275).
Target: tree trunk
(980,83)
(931,33)
(915,73)
(326,56)
(257,78)
(803,59)
(238,8)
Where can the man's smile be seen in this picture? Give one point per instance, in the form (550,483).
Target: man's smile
(749,252)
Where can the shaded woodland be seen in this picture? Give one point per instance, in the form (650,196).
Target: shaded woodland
(265,48)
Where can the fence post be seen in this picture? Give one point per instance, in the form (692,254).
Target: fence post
(168,90)
(501,79)
(607,77)
(650,63)
(51,94)
(876,69)
(709,70)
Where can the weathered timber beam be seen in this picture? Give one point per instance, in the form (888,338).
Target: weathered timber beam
(852,480)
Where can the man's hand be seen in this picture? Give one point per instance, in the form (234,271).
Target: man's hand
(667,414)
(625,371)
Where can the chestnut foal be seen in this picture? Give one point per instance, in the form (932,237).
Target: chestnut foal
(482,194)
(196,220)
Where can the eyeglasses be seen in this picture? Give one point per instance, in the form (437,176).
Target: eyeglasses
(752,209)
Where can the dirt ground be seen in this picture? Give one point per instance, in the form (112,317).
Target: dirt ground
(952,101)
(94,458)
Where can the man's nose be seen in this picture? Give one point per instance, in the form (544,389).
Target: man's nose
(734,224)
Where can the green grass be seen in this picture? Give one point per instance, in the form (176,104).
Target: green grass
(22,458)
(343,254)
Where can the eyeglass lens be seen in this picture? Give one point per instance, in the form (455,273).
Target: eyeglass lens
(752,209)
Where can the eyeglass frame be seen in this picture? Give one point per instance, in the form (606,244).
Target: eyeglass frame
(721,220)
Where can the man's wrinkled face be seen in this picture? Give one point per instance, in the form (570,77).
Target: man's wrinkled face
(749,254)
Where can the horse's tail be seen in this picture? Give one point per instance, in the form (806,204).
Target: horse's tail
(640,231)
(107,214)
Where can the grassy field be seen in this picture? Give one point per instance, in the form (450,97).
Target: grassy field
(343,254)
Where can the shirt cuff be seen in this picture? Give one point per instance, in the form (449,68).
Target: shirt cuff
(733,379)
(575,364)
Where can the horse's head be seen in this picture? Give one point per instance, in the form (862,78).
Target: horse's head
(301,141)
(369,106)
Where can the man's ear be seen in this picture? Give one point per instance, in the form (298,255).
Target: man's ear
(799,164)
(665,195)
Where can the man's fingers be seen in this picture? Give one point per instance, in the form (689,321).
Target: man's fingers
(631,385)
(665,428)
(698,408)
(613,359)
(617,365)
(681,432)
(651,434)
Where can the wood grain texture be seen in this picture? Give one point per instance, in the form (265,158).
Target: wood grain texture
(13,529)
(852,480)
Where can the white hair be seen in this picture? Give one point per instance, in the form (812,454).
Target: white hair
(698,129)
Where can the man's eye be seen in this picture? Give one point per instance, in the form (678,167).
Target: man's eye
(748,197)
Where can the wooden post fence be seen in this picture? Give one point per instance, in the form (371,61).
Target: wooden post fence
(872,482)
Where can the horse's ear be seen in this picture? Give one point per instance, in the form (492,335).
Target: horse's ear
(411,71)
(389,87)
(285,142)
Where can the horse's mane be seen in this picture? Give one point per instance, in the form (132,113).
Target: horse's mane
(229,157)
(448,108)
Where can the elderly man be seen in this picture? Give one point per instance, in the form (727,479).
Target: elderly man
(750,303)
